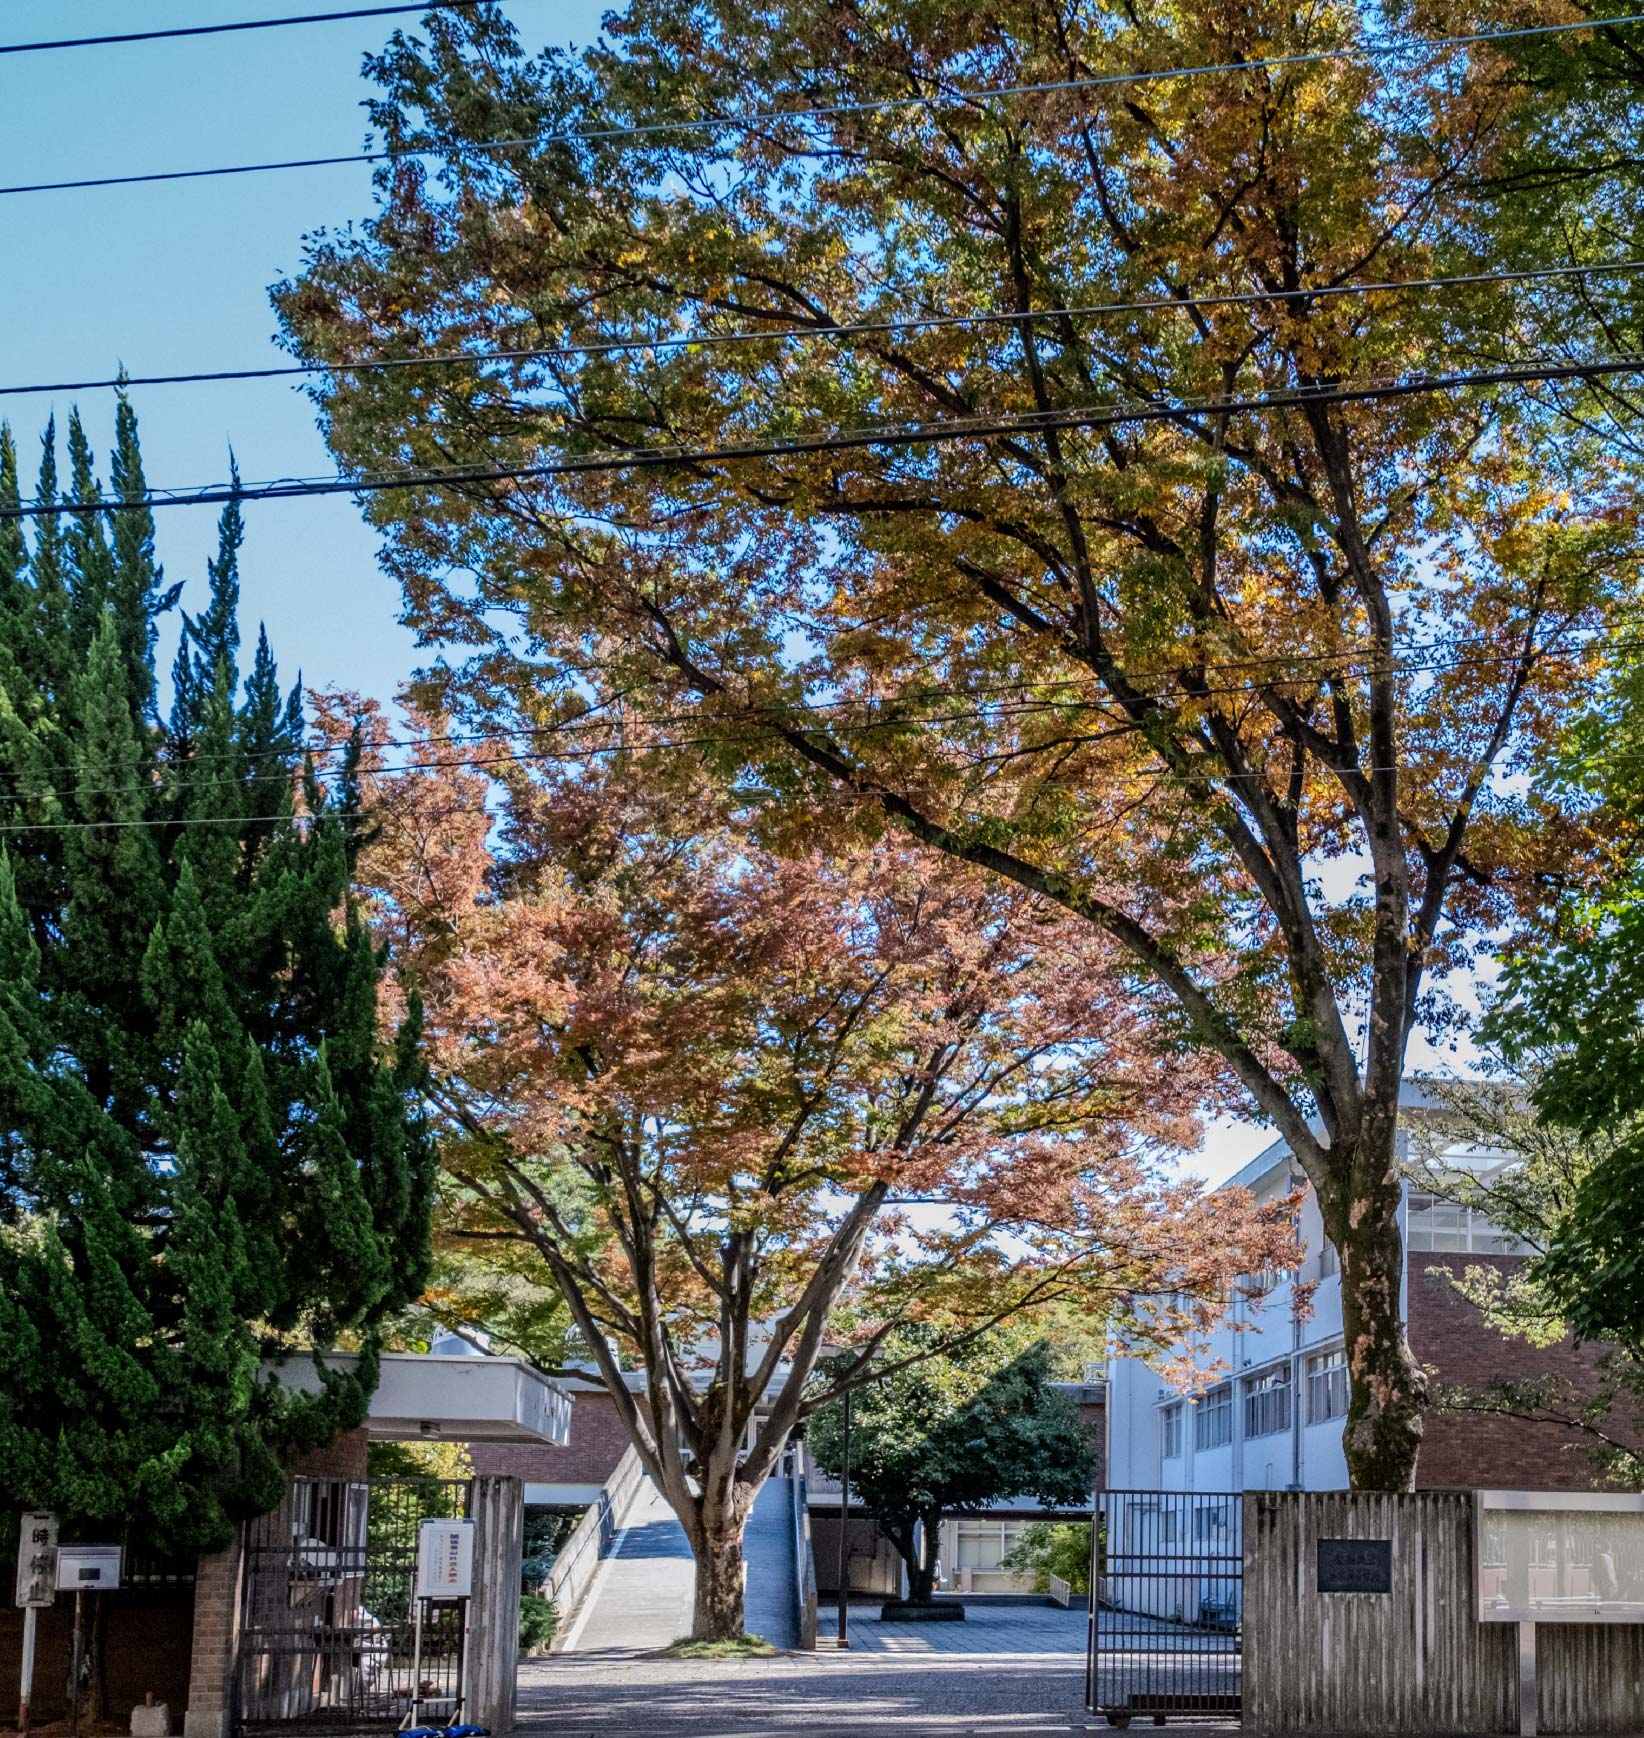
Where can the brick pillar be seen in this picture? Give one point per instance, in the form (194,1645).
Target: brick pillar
(493,1619)
(217,1585)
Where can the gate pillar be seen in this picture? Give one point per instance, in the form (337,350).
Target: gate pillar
(493,1619)
(218,1584)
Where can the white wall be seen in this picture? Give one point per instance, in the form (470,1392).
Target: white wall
(1257,1335)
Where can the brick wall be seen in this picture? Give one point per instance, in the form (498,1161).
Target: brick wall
(598,1439)
(143,1643)
(216,1638)
(1451,1338)
(341,1458)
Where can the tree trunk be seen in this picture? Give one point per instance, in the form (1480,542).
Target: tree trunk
(918,1548)
(717,1614)
(1388,1390)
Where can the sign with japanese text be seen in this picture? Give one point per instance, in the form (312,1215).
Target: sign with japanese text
(1355,1566)
(445,1560)
(37,1560)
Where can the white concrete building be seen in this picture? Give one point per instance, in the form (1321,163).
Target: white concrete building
(1271,1415)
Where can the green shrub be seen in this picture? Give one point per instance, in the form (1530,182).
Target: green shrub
(538,1619)
(1052,1548)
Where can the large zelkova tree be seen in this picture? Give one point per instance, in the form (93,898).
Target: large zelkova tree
(1009,559)
(957,1434)
(208,1156)
(739,1108)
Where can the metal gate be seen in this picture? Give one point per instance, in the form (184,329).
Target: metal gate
(1165,1606)
(326,1636)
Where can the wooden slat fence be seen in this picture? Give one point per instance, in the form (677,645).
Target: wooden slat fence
(1416,1659)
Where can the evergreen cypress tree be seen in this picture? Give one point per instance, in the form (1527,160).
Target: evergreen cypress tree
(208,1154)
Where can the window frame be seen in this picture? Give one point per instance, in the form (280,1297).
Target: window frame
(1000,1535)
(1327,1381)
(1172,1438)
(1213,1419)
(1270,1392)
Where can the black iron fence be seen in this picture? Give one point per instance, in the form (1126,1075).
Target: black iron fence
(328,1637)
(1165,1608)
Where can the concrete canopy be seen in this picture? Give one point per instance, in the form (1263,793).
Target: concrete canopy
(425,1397)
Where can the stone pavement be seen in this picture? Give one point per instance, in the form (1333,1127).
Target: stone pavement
(1013,1672)
(824,1695)
(1039,1631)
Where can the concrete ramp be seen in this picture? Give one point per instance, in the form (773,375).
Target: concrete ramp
(772,1600)
(642,1592)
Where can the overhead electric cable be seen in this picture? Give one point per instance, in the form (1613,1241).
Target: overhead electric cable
(1361,51)
(844,329)
(889,435)
(237,25)
(1148,776)
(598,715)
(152,176)
(1022,702)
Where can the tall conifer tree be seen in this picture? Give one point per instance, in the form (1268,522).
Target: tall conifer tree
(208,1155)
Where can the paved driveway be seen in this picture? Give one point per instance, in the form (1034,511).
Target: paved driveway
(1011,1671)
(1017,1631)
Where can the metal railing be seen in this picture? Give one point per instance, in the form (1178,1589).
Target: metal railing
(1165,1639)
(804,1555)
(573,1570)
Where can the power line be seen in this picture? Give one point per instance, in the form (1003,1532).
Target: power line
(1163,776)
(851,329)
(1366,51)
(587,723)
(1339,660)
(242,24)
(890,435)
(388,155)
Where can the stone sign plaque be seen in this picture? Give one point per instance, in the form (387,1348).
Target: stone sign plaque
(1355,1566)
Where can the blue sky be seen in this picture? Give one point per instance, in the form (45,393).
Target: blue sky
(175,277)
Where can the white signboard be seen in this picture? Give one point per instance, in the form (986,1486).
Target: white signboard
(37,1560)
(1559,1557)
(445,1560)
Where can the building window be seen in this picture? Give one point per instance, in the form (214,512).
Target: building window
(1213,1418)
(1326,1387)
(1267,1402)
(1434,1224)
(982,1545)
(1329,1260)
(1259,1284)
(1210,1525)
(1170,1431)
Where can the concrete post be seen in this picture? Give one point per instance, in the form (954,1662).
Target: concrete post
(493,1620)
